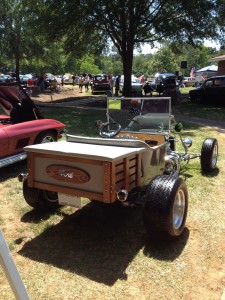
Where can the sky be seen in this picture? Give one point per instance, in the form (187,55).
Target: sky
(146,49)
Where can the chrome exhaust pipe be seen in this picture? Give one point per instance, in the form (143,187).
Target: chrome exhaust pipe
(22,177)
(122,195)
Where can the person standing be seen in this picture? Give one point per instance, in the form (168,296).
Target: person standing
(86,83)
(41,83)
(117,85)
(73,80)
(81,83)
(62,80)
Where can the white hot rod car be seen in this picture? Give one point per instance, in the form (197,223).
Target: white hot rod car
(134,161)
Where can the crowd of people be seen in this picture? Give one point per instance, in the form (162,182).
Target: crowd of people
(84,82)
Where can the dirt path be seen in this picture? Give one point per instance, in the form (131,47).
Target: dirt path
(59,95)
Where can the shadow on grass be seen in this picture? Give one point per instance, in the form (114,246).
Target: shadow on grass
(36,216)
(98,242)
(12,171)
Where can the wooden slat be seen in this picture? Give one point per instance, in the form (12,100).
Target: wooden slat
(120,184)
(120,176)
(107,181)
(140,177)
(133,170)
(133,162)
(125,174)
(119,168)
(132,178)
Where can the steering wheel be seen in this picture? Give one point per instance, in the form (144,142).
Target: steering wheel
(110,130)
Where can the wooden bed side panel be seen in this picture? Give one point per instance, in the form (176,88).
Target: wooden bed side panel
(107,178)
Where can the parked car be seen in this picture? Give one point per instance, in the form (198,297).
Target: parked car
(25,78)
(100,84)
(191,81)
(133,162)
(22,124)
(211,91)
(49,76)
(188,81)
(58,78)
(6,78)
(166,84)
(136,86)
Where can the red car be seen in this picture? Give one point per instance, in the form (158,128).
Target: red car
(22,124)
(101,84)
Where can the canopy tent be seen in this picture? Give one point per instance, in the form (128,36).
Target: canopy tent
(208,69)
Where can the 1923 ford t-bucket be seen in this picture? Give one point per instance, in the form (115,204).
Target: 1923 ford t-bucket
(134,162)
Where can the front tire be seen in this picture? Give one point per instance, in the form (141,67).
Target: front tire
(45,137)
(40,199)
(209,154)
(166,207)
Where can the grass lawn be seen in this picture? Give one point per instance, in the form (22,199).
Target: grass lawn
(103,252)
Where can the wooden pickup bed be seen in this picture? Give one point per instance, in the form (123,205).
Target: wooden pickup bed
(86,167)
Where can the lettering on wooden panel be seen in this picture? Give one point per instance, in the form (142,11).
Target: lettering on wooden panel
(68,174)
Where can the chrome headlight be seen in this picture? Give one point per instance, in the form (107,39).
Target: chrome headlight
(187,142)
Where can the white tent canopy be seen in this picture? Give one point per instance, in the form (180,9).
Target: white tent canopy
(208,69)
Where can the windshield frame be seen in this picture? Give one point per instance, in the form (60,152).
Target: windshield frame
(148,114)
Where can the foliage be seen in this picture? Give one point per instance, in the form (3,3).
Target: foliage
(79,30)
(220,20)
(128,24)
(140,65)
(164,61)
(87,65)
(17,37)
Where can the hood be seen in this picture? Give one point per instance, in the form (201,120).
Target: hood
(17,104)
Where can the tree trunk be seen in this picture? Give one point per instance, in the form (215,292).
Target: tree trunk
(17,69)
(127,60)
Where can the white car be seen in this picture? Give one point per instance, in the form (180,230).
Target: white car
(136,86)
(191,81)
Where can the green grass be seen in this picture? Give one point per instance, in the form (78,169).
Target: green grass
(209,112)
(103,252)
(77,121)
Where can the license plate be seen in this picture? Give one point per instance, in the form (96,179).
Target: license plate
(70,200)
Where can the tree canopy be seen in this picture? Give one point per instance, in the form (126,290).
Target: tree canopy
(129,23)
(82,28)
(18,38)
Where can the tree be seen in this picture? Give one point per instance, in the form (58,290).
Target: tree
(220,21)
(87,65)
(18,38)
(164,61)
(129,23)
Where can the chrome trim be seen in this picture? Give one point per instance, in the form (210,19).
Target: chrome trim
(12,159)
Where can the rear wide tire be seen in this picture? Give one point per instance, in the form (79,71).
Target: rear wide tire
(166,206)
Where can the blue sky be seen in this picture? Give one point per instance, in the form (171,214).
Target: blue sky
(146,49)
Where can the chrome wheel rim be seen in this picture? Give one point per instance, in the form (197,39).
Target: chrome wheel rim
(50,196)
(214,155)
(179,209)
(47,139)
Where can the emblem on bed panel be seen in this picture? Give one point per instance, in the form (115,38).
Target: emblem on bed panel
(68,174)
